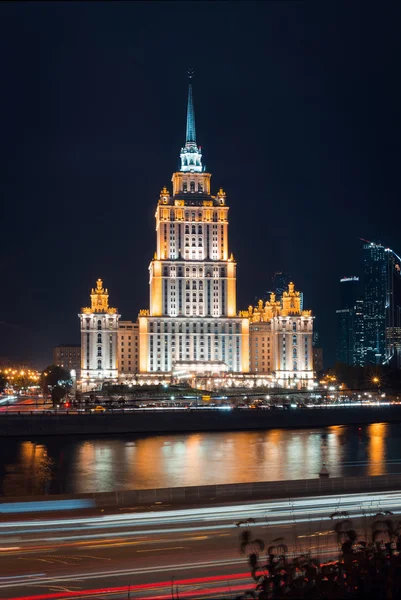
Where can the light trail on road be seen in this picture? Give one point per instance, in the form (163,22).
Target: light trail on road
(76,555)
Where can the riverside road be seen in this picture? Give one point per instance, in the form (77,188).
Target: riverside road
(197,549)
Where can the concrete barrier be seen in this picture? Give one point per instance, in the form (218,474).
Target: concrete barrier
(140,422)
(217,494)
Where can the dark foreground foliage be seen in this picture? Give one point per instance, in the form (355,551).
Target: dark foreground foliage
(365,569)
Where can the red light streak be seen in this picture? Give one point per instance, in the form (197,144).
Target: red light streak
(147,586)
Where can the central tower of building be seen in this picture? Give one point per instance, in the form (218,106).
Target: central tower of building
(192,324)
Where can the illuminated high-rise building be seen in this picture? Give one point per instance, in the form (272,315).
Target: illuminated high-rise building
(192,324)
(382,305)
(99,326)
(375,281)
(350,324)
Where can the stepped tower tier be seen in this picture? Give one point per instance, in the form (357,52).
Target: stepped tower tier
(192,318)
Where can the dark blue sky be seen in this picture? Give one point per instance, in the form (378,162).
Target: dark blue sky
(298,113)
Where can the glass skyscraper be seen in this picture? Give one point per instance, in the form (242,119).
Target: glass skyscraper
(382,304)
(350,329)
(280,283)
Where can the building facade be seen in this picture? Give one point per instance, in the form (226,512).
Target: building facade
(382,305)
(128,349)
(280,337)
(99,338)
(375,284)
(68,356)
(350,324)
(192,323)
(393,310)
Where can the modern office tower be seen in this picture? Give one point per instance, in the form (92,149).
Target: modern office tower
(382,305)
(359,334)
(349,321)
(99,326)
(375,297)
(192,325)
(393,310)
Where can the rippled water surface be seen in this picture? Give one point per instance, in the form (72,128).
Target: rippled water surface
(76,465)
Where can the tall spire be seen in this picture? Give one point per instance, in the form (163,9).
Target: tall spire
(191,155)
(191,132)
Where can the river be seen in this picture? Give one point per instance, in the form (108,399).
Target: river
(100,464)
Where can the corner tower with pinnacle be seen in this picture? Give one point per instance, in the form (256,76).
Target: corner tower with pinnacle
(192,325)
(99,325)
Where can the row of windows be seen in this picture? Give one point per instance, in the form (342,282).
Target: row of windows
(174,272)
(216,215)
(193,328)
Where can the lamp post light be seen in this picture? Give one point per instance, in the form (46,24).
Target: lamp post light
(376,382)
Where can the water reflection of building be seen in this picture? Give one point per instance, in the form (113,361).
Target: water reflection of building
(377,448)
(31,473)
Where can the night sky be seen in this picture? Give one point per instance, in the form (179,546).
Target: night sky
(297,111)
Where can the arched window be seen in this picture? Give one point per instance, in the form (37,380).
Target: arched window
(294,366)
(294,352)
(187,229)
(193,228)
(199,228)
(294,340)
(294,326)
(99,325)
(99,364)
(192,186)
(184,186)
(99,338)
(99,351)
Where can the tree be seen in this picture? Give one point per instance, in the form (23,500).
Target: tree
(54,376)
(58,393)
(3,383)
(20,379)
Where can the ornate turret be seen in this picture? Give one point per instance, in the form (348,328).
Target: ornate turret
(99,300)
(191,155)
(292,303)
